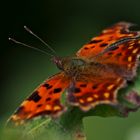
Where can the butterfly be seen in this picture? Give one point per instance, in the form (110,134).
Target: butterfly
(92,77)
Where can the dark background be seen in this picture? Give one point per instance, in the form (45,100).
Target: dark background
(64,24)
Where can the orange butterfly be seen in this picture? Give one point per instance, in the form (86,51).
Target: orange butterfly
(93,76)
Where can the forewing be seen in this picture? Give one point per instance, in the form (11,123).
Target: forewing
(107,37)
(87,95)
(45,100)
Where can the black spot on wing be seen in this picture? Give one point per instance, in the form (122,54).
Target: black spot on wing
(77,90)
(34,97)
(94,86)
(57,90)
(94,41)
(103,45)
(110,53)
(83,85)
(92,47)
(47,86)
(86,48)
(39,105)
(48,99)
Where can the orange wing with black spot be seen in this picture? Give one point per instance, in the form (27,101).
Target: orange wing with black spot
(123,58)
(45,100)
(88,94)
(118,32)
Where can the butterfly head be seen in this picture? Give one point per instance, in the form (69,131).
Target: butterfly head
(58,61)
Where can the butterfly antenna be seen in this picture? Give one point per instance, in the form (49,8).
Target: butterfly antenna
(32,33)
(23,44)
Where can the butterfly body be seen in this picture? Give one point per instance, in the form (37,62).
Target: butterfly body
(77,68)
(93,76)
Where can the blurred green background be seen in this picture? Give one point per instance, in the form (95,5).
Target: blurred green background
(66,25)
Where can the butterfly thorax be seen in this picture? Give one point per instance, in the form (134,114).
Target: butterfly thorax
(70,65)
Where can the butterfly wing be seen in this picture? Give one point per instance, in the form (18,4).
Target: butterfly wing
(107,37)
(88,94)
(45,100)
(123,58)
